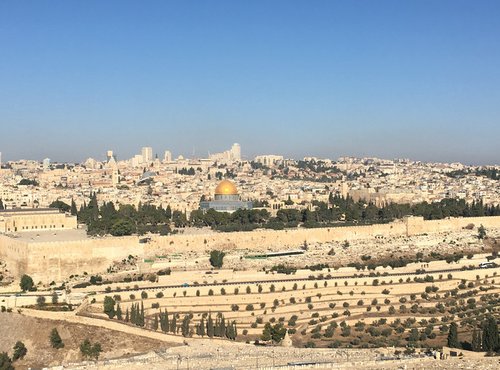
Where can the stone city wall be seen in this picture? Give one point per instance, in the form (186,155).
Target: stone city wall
(55,261)
(272,240)
(267,240)
(47,261)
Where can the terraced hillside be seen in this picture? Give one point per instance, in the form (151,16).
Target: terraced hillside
(323,308)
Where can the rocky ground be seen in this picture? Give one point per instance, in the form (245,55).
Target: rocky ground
(212,355)
(34,333)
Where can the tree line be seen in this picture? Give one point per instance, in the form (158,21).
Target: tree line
(125,220)
(338,211)
(170,323)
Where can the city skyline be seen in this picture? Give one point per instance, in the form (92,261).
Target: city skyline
(391,80)
(165,154)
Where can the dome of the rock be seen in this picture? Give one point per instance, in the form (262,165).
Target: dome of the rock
(226,187)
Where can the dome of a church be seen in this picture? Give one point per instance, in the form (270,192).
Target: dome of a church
(226,187)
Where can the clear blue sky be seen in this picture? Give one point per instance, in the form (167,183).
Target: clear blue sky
(417,79)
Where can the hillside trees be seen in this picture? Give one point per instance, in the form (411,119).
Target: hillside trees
(490,340)
(217,258)
(26,283)
(55,339)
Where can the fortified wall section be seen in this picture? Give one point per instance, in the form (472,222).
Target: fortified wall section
(14,253)
(416,225)
(55,261)
(271,240)
(48,261)
(267,240)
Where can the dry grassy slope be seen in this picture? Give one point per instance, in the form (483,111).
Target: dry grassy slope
(34,333)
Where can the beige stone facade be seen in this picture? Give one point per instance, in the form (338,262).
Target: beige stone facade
(24,220)
(47,261)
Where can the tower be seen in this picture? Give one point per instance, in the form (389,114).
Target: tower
(115,176)
(147,154)
(236,152)
(167,156)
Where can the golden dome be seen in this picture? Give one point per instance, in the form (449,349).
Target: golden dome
(226,187)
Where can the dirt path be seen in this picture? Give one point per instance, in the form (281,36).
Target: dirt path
(113,325)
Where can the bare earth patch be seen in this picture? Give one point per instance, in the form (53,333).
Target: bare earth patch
(34,333)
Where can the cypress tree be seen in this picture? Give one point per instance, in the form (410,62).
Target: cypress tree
(155,323)
(490,335)
(133,314)
(476,340)
(127,317)
(173,324)
(185,326)
(217,326)
(119,312)
(73,207)
(162,322)
(202,327)
(453,336)
(210,326)
(142,321)
(222,326)
(229,332)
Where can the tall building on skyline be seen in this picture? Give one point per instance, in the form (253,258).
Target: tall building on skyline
(236,152)
(147,154)
(231,155)
(167,157)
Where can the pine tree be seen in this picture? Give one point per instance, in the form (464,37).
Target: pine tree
(55,339)
(266,333)
(453,336)
(19,351)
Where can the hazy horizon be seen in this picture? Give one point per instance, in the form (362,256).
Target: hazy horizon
(386,79)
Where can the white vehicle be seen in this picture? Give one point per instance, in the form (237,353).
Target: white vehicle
(487,265)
